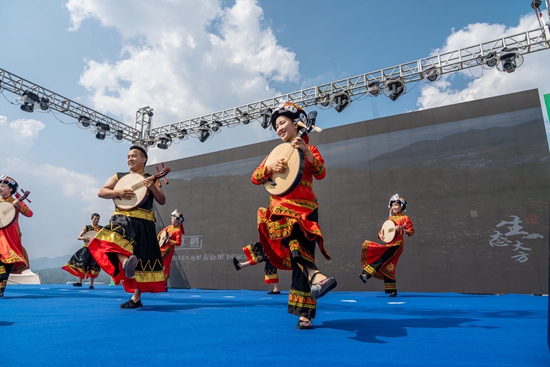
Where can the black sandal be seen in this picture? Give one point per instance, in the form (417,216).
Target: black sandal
(363,277)
(304,325)
(237,264)
(321,288)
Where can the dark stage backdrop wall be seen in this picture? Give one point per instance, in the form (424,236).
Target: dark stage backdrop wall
(476,177)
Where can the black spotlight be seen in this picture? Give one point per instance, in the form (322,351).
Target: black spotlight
(266,117)
(119,135)
(373,88)
(341,100)
(182,134)
(84,121)
(44,104)
(245,118)
(205,134)
(164,142)
(395,88)
(27,107)
(216,125)
(100,135)
(103,126)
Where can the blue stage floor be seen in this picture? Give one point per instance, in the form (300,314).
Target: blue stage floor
(60,325)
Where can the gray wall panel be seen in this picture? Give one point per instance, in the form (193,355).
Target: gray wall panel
(465,170)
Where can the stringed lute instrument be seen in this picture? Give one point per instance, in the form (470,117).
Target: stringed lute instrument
(134,181)
(281,183)
(8,211)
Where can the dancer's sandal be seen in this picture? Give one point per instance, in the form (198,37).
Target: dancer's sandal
(304,324)
(321,288)
(130,266)
(237,264)
(131,304)
(363,277)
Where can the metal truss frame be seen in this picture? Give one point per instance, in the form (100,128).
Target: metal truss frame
(324,95)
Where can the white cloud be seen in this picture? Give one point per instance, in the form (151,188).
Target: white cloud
(200,59)
(487,83)
(18,135)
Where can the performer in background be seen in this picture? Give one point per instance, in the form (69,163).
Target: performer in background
(169,238)
(82,265)
(127,248)
(255,255)
(288,228)
(380,261)
(13,256)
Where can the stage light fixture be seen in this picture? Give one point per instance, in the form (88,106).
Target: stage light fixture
(509,60)
(215,126)
(205,131)
(119,135)
(151,141)
(431,74)
(84,121)
(204,134)
(182,134)
(27,107)
(266,117)
(394,88)
(245,118)
(488,61)
(323,99)
(164,142)
(44,104)
(103,126)
(341,101)
(100,135)
(373,88)
(28,100)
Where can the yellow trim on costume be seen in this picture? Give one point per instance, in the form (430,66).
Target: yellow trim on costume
(116,238)
(149,277)
(137,213)
(148,267)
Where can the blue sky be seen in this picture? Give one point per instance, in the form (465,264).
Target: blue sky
(188,58)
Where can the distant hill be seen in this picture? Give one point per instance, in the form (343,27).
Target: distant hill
(48,263)
(60,276)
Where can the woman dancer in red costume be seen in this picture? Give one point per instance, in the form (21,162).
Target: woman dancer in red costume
(13,256)
(288,228)
(380,261)
(173,238)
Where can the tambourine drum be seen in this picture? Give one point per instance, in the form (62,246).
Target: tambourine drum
(281,183)
(90,234)
(388,231)
(132,181)
(7,214)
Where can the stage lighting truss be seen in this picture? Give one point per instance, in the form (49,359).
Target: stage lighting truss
(505,53)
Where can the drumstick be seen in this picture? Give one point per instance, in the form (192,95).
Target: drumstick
(318,129)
